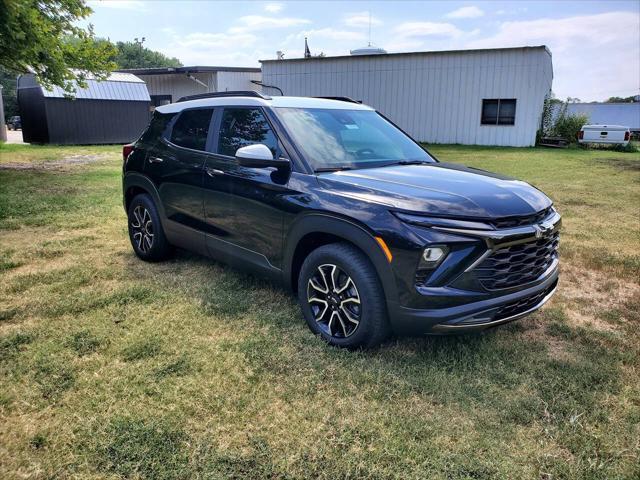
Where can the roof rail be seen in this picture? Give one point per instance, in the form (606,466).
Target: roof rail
(341,99)
(239,93)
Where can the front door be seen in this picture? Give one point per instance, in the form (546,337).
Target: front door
(242,204)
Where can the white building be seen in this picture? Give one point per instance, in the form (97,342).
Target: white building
(168,84)
(482,97)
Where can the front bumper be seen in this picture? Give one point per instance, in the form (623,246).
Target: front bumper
(465,303)
(474,316)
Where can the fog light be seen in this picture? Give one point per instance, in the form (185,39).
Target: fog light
(433,254)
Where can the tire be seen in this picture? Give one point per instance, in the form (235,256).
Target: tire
(353,294)
(145,230)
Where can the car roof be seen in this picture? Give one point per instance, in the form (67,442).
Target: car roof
(276,102)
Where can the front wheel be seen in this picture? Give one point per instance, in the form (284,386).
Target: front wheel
(341,297)
(145,230)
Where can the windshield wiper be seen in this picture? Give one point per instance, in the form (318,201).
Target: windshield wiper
(411,162)
(332,169)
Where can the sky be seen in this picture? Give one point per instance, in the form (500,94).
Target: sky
(595,44)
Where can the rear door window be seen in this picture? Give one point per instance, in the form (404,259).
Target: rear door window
(244,126)
(192,128)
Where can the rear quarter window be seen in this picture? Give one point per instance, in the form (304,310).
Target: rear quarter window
(157,127)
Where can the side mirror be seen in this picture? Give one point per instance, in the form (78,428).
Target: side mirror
(259,156)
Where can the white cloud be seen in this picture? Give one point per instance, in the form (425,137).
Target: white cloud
(259,22)
(466,12)
(205,41)
(273,7)
(329,34)
(424,29)
(360,19)
(592,54)
(119,4)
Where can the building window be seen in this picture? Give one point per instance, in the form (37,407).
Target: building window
(191,129)
(498,112)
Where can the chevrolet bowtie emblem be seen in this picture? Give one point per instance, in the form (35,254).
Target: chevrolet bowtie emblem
(543,229)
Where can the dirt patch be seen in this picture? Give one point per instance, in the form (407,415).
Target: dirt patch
(62,164)
(631,164)
(537,331)
(588,294)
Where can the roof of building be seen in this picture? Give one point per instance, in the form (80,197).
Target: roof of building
(286,102)
(626,114)
(432,52)
(193,69)
(117,86)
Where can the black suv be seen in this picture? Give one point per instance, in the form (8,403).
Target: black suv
(330,198)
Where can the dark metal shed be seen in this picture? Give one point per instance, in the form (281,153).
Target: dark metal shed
(115,110)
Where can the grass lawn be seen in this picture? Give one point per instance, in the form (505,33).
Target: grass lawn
(113,368)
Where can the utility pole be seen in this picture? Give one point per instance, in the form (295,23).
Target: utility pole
(3,127)
(139,43)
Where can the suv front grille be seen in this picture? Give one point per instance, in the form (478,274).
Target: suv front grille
(518,264)
(513,222)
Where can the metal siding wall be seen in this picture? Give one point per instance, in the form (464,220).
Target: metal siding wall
(179,85)
(33,114)
(86,122)
(238,81)
(436,98)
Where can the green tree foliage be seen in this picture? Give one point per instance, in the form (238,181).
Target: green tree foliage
(8,82)
(556,122)
(568,126)
(630,99)
(134,55)
(35,36)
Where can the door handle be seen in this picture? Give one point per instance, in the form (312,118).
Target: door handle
(155,160)
(214,172)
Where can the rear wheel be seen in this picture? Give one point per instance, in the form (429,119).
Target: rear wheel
(145,230)
(341,297)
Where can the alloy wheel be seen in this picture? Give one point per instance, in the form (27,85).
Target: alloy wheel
(334,301)
(142,227)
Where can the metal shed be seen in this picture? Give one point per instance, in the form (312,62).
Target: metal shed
(115,110)
(437,97)
(169,84)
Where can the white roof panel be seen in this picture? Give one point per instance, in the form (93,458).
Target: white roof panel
(276,102)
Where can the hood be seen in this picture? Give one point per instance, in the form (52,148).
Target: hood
(439,189)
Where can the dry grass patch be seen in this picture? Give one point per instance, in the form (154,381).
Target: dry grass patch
(112,368)
(587,294)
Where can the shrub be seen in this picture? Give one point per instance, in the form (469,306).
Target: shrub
(568,126)
(557,123)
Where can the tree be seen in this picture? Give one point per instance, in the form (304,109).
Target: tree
(630,99)
(8,82)
(134,55)
(42,36)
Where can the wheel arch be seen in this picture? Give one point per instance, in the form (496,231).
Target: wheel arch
(134,184)
(316,229)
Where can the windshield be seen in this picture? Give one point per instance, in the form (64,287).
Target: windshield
(342,139)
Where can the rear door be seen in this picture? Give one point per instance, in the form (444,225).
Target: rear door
(241,204)
(175,164)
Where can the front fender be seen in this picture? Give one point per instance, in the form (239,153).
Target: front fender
(349,230)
